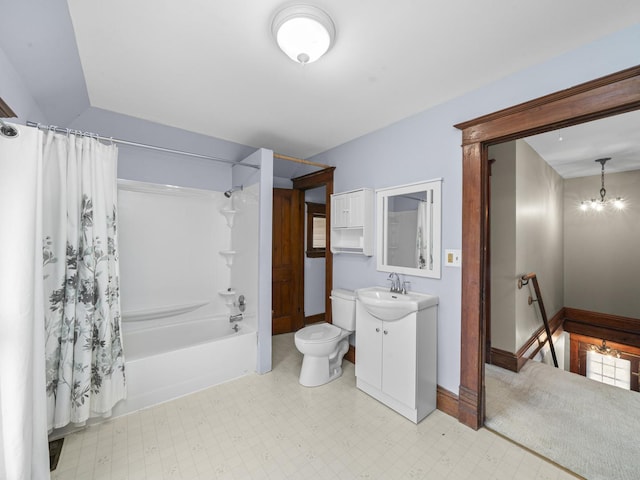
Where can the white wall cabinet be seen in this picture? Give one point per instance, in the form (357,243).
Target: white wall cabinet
(396,361)
(352,222)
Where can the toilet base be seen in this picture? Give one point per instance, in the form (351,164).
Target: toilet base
(318,371)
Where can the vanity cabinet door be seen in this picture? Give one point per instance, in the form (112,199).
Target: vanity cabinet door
(399,360)
(368,348)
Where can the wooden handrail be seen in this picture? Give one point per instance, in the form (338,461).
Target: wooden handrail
(524,280)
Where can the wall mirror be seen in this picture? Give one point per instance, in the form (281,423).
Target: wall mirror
(409,229)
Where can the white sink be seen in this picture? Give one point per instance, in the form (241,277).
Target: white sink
(391,306)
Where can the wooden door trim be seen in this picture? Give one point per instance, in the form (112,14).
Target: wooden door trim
(322,178)
(5,110)
(600,98)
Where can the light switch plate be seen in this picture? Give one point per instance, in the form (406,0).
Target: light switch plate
(452,258)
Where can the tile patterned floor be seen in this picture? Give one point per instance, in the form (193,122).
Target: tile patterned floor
(269,427)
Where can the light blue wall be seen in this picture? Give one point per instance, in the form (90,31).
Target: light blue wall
(164,168)
(15,93)
(427,146)
(264,262)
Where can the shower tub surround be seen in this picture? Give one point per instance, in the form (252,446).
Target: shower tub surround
(176,330)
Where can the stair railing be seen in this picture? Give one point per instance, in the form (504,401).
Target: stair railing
(524,280)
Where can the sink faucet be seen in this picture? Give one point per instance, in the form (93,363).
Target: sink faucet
(395,283)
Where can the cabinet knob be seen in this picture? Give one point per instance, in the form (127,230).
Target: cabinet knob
(385,332)
(377,329)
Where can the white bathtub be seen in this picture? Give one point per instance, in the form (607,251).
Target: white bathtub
(174,360)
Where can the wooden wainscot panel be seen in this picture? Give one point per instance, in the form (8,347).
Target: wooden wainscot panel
(624,330)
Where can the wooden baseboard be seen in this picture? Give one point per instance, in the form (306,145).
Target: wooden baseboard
(314,319)
(506,360)
(447,402)
(515,361)
(5,110)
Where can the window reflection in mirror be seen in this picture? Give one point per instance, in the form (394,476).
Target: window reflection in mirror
(408,227)
(316,229)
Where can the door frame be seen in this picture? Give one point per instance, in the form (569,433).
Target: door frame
(322,178)
(606,96)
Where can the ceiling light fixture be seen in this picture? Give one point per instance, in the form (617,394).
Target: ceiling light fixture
(599,204)
(303,32)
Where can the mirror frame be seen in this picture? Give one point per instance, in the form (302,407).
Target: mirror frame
(382,197)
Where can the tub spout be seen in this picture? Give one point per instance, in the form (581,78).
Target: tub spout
(235,318)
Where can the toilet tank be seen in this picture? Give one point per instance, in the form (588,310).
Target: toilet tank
(343,309)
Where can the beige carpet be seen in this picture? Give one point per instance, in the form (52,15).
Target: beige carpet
(587,427)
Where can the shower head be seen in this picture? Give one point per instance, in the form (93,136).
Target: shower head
(229,192)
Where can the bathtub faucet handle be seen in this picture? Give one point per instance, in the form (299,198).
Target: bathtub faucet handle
(241,303)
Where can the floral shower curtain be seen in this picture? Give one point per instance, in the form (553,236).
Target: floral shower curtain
(24,453)
(84,358)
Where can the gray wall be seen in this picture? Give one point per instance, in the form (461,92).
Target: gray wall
(601,255)
(526,237)
(503,246)
(539,238)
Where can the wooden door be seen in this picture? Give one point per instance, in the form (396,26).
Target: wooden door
(287,288)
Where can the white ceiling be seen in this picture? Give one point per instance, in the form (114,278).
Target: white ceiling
(573,151)
(212,67)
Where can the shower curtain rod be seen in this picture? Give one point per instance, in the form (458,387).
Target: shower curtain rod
(300,160)
(414,198)
(136,144)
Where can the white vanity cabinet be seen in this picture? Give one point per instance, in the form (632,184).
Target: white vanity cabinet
(352,222)
(396,360)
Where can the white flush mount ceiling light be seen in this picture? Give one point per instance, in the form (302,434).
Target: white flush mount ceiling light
(303,32)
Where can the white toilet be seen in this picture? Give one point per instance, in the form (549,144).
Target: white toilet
(324,344)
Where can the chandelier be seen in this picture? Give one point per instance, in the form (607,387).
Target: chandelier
(598,204)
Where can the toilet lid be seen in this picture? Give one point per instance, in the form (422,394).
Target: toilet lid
(319,333)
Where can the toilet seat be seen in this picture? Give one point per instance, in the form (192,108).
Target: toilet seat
(319,333)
